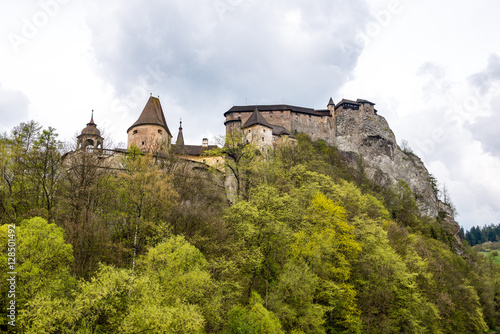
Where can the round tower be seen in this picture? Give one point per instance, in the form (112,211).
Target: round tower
(150,132)
(90,138)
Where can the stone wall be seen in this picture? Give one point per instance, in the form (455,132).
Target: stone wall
(317,127)
(259,135)
(149,138)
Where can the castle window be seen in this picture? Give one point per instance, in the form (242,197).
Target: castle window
(135,132)
(159,132)
(262,138)
(248,130)
(142,143)
(263,130)
(270,116)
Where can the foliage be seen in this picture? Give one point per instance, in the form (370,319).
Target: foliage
(252,319)
(308,245)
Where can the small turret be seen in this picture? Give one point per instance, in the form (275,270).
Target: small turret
(331,107)
(90,136)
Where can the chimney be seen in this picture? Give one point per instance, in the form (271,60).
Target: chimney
(204,142)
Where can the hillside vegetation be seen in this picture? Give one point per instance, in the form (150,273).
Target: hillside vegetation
(308,246)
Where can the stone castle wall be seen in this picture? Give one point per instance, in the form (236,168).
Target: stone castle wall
(148,137)
(317,127)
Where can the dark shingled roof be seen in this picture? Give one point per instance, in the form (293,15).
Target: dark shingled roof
(365,101)
(347,101)
(256,118)
(273,107)
(91,128)
(330,102)
(278,130)
(152,114)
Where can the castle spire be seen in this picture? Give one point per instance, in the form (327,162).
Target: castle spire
(91,123)
(180,136)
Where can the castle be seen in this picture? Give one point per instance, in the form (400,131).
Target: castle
(283,121)
(263,125)
(353,127)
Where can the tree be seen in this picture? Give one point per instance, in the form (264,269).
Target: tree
(86,198)
(327,244)
(17,190)
(45,163)
(43,264)
(239,162)
(253,319)
(146,196)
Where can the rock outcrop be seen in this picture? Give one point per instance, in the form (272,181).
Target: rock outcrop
(370,137)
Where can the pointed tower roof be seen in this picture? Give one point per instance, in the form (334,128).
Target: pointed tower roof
(180,136)
(152,114)
(330,103)
(256,118)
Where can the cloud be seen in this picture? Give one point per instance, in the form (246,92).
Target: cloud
(204,50)
(13,107)
(485,129)
(486,78)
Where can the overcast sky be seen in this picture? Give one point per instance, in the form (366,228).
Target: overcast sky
(432,68)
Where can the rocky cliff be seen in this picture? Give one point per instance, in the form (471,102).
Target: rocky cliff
(370,138)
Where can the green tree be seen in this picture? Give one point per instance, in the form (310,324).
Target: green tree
(327,244)
(43,264)
(145,199)
(17,189)
(253,319)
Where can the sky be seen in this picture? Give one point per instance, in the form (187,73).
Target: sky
(432,68)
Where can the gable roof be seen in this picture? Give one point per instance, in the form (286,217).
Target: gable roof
(278,130)
(152,114)
(256,119)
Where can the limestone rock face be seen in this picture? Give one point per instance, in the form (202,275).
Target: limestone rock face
(370,137)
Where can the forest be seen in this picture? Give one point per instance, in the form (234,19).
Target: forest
(308,245)
(481,234)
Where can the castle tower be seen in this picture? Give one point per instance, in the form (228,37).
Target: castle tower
(150,132)
(257,130)
(331,107)
(90,138)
